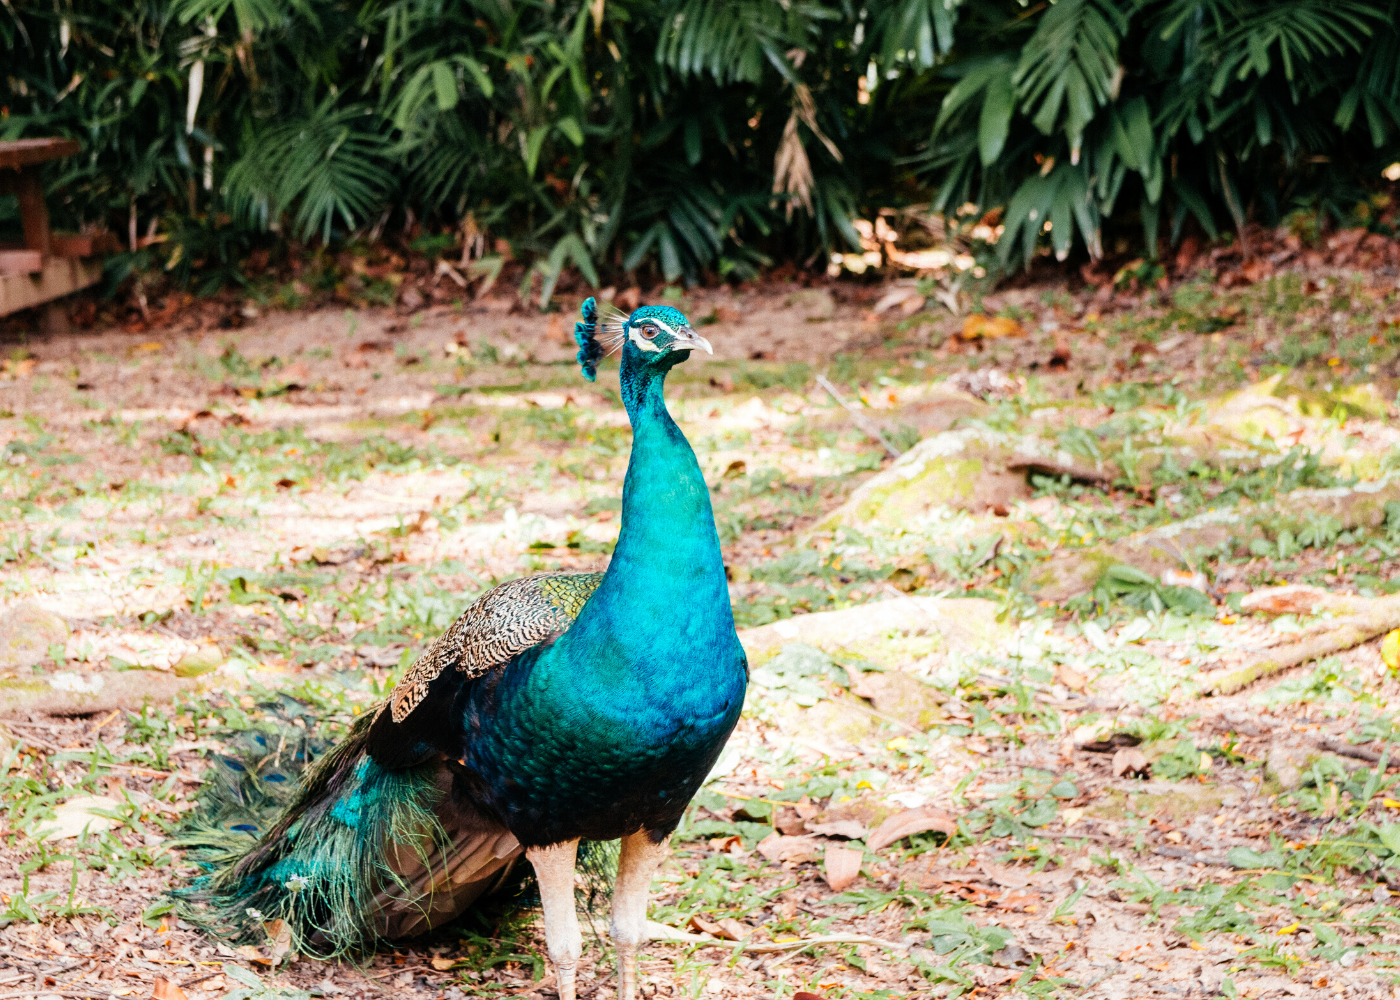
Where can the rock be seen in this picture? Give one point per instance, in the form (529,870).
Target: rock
(78,814)
(967,623)
(901,696)
(26,633)
(1273,410)
(971,469)
(842,867)
(1173,546)
(815,304)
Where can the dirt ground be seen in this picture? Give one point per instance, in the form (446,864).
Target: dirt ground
(302,503)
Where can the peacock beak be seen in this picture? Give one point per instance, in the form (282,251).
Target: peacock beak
(688,340)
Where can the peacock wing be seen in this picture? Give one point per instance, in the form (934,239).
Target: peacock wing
(500,625)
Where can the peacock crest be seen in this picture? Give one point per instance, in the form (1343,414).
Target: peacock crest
(591,347)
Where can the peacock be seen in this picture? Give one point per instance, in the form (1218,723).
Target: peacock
(559,709)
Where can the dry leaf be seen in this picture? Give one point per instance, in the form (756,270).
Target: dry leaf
(1071,678)
(442,964)
(776,847)
(1291,600)
(164,989)
(731,930)
(1129,761)
(279,936)
(979,326)
(699,923)
(842,866)
(909,822)
(851,829)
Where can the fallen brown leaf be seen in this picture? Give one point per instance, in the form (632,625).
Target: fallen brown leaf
(164,989)
(699,923)
(777,847)
(909,822)
(850,829)
(1129,761)
(1071,678)
(842,866)
(732,930)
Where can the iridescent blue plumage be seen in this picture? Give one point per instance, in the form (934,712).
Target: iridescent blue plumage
(557,709)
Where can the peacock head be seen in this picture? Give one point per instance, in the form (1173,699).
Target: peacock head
(657,336)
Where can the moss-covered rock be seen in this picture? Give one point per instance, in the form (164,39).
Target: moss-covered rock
(870,631)
(26,633)
(1181,545)
(902,697)
(971,469)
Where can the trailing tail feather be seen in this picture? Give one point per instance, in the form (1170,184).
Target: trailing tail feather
(349,854)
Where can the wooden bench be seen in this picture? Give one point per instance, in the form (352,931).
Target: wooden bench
(47,265)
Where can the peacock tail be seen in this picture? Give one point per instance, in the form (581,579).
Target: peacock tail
(350,851)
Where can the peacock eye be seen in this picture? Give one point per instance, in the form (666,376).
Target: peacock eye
(648,333)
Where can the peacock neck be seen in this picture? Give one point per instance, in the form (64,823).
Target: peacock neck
(664,593)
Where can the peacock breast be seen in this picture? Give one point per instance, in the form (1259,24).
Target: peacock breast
(602,748)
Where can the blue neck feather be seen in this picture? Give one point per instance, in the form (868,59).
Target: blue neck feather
(612,728)
(665,587)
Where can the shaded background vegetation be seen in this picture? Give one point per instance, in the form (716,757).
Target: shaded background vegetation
(694,138)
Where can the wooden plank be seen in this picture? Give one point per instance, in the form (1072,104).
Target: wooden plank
(28,152)
(61,276)
(33,211)
(71,245)
(21,262)
(85,244)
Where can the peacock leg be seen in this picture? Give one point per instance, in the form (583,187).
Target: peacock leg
(641,855)
(554,869)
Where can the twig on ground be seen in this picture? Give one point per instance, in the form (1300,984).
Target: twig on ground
(673,935)
(859,418)
(1345,749)
(768,947)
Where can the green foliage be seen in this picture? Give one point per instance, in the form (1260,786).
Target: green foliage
(693,136)
(1082,110)
(1142,590)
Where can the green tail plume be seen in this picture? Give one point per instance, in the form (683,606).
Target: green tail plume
(322,866)
(350,855)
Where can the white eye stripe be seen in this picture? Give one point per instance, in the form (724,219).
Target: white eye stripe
(635,334)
